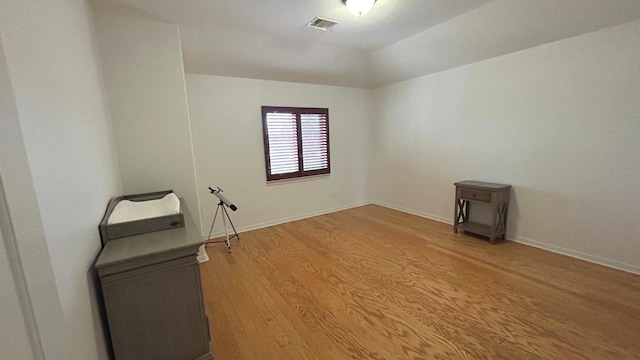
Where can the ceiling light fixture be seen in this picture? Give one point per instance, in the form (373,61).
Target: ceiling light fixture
(359,7)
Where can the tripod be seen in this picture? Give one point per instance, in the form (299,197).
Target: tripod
(225,217)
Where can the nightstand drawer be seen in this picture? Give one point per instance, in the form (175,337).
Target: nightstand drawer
(479,195)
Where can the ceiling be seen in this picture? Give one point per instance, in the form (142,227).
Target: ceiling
(397,40)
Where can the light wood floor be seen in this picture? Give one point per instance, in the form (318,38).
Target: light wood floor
(374,283)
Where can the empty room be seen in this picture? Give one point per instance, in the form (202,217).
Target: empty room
(319,179)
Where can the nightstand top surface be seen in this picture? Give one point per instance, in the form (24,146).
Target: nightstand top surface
(482,185)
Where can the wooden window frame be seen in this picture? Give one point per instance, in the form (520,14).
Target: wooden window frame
(297,111)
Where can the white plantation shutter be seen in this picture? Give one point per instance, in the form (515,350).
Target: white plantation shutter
(315,137)
(283,143)
(296,142)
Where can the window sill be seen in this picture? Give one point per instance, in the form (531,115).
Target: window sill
(298,179)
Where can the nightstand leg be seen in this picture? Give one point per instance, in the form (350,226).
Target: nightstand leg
(456,215)
(461,213)
(494,223)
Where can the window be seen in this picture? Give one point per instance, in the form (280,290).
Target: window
(296,142)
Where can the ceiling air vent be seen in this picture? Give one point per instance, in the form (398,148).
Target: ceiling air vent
(319,23)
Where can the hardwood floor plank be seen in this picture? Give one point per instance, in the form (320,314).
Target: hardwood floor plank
(355,305)
(224,343)
(291,336)
(375,283)
(395,276)
(317,315)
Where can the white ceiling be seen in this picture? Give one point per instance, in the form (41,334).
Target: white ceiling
(397,40)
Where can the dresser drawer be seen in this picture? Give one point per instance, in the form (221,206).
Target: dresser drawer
(479,195)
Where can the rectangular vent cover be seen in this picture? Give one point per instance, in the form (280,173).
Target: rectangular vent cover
(322,23)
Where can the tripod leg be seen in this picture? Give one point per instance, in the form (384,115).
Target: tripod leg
(230,222)
(212,223)
(224,222)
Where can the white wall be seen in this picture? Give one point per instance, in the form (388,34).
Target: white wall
(14,338)
(144,77)
(15,328)
(63,118)
(559,122)
(227,132)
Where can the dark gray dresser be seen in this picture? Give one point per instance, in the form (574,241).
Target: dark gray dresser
(153,295)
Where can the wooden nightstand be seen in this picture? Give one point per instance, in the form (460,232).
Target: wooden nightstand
(497,195)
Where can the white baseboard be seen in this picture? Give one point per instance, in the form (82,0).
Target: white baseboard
(202,255)
(414,212)
(288,219)
(533,243)
(578,255)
